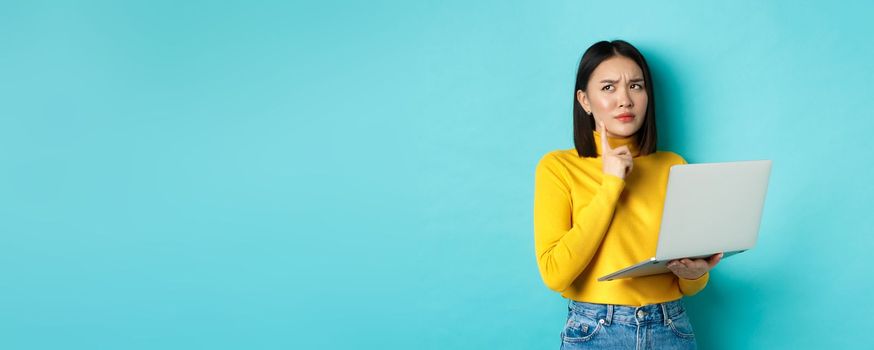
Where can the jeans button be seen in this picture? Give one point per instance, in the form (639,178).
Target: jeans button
(640,313)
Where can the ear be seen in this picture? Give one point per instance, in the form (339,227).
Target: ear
(583,100)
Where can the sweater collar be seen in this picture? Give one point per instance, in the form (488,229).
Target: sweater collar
(615,142)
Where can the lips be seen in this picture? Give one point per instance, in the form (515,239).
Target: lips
(625,117)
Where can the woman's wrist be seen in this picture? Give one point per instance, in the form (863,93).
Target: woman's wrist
(696,278)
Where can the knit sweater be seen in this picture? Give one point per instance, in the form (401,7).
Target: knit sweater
(588,224)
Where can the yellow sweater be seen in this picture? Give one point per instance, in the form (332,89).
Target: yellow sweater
(587,225)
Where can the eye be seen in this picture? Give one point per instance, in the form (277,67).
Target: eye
(607,88)
(636,86)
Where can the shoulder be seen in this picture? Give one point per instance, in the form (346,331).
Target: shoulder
(556,163)
(671,158)
(558,158)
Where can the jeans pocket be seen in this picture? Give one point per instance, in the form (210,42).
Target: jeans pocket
(580,328)
(681,326)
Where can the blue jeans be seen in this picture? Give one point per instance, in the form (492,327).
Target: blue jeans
(600,326)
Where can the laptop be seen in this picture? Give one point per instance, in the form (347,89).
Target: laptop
(709,208)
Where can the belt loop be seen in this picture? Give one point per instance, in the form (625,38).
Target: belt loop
(609,314)
(666,319)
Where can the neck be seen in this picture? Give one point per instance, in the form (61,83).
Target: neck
(615,142)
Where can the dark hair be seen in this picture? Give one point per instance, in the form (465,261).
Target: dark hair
(584,124)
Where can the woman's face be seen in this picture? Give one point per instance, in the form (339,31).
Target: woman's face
(616,95)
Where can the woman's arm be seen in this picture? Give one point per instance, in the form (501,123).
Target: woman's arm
(565,241)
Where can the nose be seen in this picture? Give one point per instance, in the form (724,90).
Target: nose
(625,99)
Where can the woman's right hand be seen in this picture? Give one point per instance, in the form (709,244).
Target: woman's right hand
(618,161)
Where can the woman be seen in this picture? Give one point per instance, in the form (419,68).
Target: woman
(597,209)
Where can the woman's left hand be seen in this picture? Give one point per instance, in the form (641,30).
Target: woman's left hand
(693,269)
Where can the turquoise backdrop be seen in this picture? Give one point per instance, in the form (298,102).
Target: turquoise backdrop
(359,175)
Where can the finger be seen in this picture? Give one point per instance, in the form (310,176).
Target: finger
(699,264)
(604,143)
(624,161)
(714,259)
(679,270)
(622,150)
(695,264)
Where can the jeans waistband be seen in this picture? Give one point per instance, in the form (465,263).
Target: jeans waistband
(661,313)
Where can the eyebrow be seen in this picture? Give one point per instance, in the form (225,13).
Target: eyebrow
(635,80)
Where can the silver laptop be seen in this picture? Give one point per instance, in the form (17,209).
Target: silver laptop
(709,208)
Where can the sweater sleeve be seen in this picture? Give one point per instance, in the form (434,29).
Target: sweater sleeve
(682,160)
(565,242)
(692,287)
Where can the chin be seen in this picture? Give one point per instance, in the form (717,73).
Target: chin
(625,130)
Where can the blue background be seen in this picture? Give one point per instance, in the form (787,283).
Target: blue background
(327,175)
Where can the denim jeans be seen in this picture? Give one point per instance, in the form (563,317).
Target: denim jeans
(600,326)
